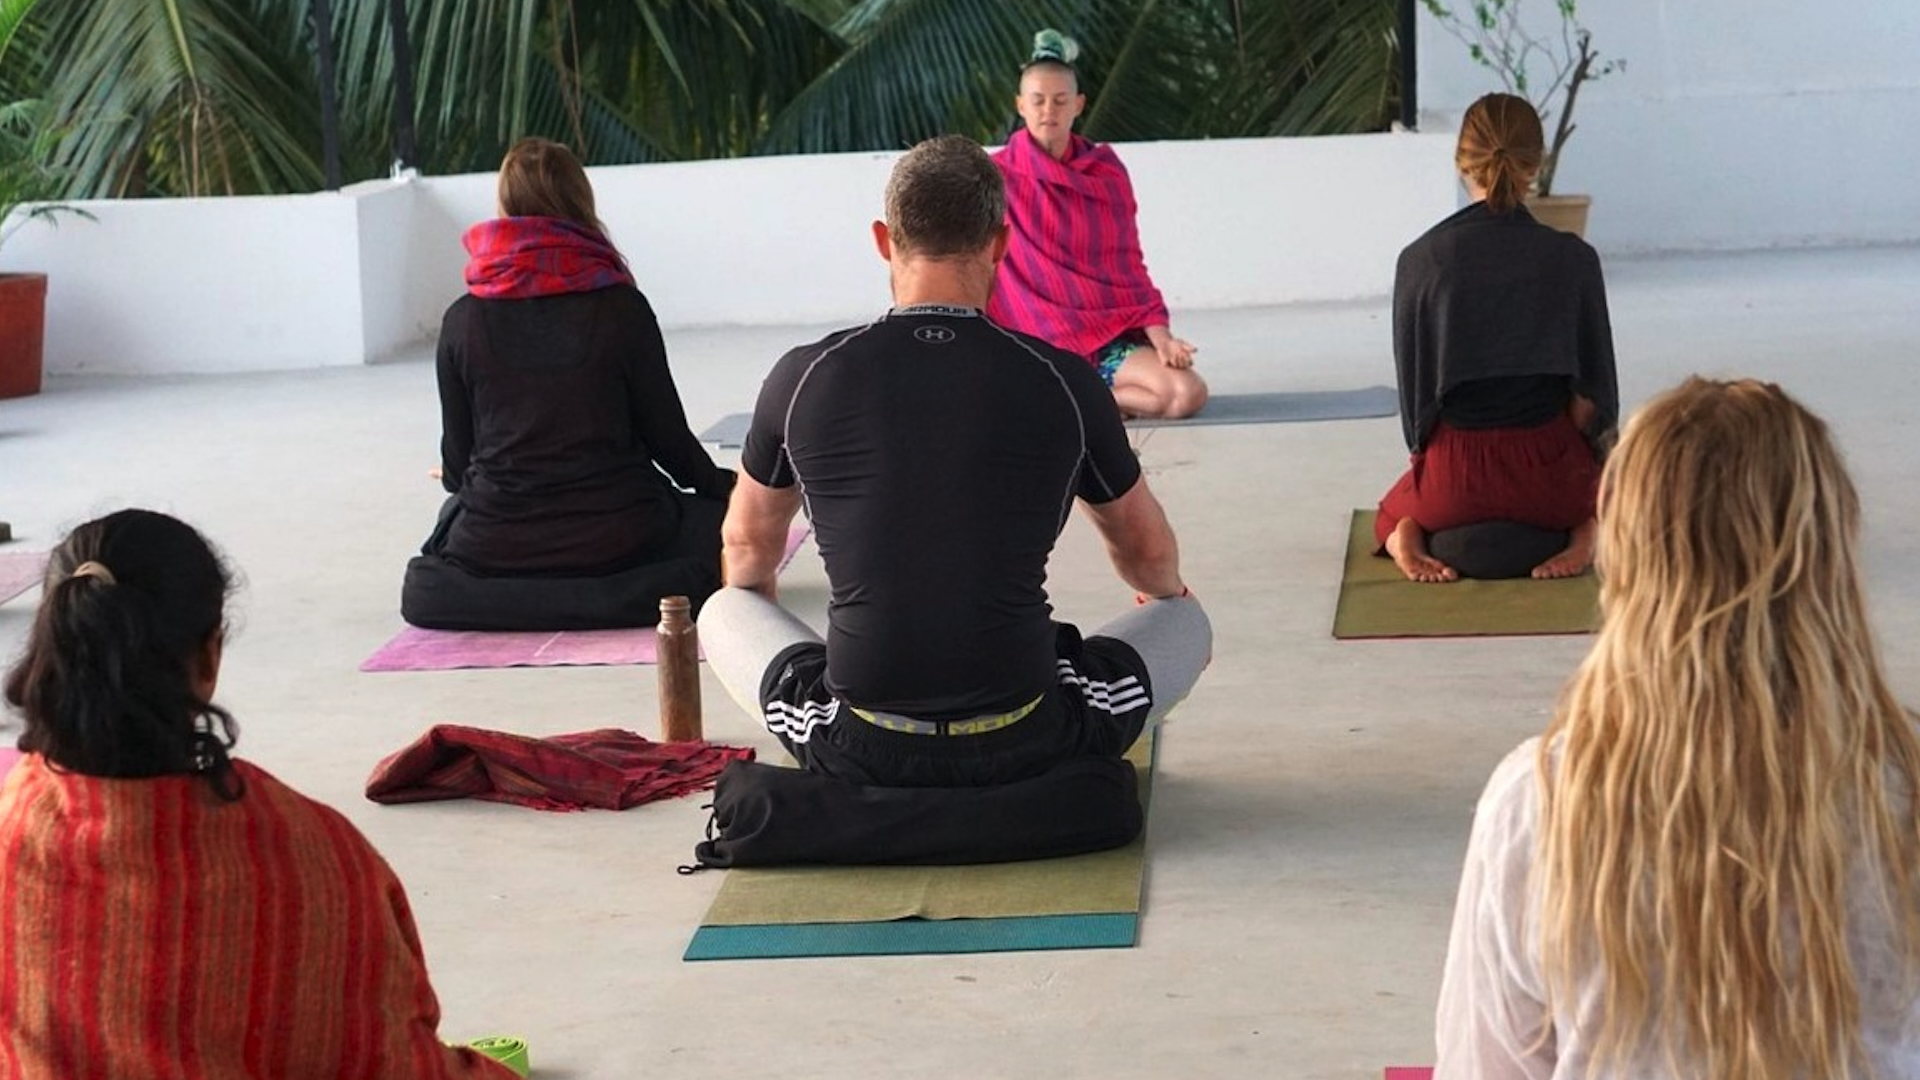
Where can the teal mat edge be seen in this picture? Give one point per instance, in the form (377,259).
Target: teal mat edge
(1112,930)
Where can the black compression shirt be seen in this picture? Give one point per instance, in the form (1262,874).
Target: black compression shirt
(938,456)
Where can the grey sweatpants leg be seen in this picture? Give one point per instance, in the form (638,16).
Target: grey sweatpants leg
(1174,639)
(741,632)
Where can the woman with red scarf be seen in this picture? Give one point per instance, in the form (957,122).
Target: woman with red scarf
(1073,275)
(579,496)
(167,908)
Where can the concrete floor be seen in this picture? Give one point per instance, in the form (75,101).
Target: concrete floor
(1313,798)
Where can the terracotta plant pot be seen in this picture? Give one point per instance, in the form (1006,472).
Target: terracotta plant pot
(23,333)
(1568,213)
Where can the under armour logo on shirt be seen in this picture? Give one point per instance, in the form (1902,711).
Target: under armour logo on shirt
(935,334)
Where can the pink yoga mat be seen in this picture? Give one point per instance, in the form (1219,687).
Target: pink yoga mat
(20,571)
(414,649)
(1409,1072)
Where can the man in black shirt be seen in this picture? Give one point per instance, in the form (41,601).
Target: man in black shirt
(938,456)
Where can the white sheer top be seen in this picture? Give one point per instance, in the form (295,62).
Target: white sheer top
(1491,1013)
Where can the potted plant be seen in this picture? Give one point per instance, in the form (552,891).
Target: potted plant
(1544,69)
(26,183)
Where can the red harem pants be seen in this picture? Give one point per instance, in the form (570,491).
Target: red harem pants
(1543,476)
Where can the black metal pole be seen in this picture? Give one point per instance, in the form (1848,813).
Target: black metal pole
(322,13)
(403,148)
(1409,68)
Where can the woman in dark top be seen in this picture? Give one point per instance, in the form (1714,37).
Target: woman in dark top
(1505,361)
(564,444)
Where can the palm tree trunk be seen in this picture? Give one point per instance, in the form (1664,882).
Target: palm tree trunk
(329,92)
(404,152)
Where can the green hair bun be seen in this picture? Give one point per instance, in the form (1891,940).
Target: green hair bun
(1053,45)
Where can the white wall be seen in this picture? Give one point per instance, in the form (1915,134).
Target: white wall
(388,257)
(1737,123)
(201,285)
(1224,223)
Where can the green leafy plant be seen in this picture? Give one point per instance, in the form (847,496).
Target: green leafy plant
(26,179)
(1543,68)
(215,97)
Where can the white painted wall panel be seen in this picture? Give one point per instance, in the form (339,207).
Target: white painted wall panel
(1737,123)
(205,285)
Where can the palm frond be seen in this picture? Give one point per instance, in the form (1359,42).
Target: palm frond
(1313,67)
(22,55)
(13,13)
(914,69)
(182,97)
(209,96)
(1153,69)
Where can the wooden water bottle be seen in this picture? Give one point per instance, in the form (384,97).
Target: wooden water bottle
(679,653)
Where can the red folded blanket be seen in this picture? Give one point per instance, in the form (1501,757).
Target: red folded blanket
(608,769)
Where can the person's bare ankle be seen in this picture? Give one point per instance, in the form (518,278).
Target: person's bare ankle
(1407,544)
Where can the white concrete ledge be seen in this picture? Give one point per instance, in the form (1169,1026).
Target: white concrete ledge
(288,282)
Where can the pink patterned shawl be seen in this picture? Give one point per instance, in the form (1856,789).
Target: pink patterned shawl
(1073,275)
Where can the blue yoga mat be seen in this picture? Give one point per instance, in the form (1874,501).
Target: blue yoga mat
(1112,930)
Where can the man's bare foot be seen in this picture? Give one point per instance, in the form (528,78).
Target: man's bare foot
(1575,559)
(1408,546)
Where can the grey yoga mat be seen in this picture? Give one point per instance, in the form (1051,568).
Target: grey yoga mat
(1287,407)
(1272,407)
(729,431)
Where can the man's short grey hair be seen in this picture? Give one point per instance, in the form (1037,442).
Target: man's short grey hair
(945,197)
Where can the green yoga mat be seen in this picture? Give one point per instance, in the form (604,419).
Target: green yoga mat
(1377,601)
(1079,902)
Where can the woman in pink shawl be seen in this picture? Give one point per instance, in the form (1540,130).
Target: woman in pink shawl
(1073,275)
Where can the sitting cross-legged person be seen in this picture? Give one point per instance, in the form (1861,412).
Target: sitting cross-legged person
(577,495)
(1074,274)
(1507,386)
(167,909)
(939,456)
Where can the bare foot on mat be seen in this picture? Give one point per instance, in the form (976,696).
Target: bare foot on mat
(1574,560)
(1408,546)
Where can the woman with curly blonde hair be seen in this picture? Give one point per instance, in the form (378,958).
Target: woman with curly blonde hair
(1709,865)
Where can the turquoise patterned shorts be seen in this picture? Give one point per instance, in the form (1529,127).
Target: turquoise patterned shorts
(1108,358)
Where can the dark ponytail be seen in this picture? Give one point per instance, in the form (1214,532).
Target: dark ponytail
(108,683)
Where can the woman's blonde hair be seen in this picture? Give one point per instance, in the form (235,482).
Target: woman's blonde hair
(1501,147)
(1728,752)
(542,178)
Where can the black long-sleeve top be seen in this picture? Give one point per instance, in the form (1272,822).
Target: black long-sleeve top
(554,412)
(1499,296)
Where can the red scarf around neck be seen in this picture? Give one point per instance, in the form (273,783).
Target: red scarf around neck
(516,258)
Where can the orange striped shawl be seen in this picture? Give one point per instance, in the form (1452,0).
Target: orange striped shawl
(148,929)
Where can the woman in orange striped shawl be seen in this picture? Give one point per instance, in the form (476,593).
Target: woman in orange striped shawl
(166,910)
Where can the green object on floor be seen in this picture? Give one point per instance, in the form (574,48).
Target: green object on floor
(1377,601)
(506,1050)
(1079,902)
